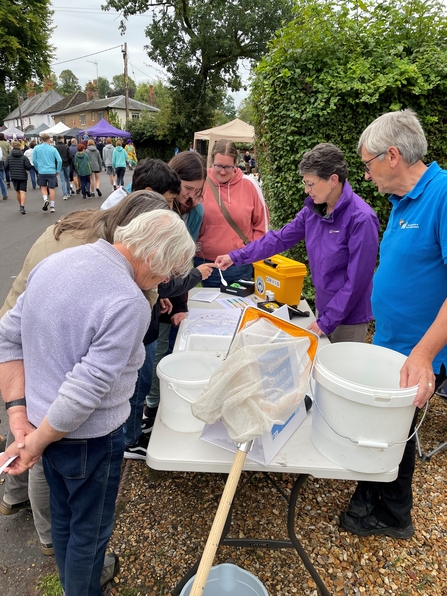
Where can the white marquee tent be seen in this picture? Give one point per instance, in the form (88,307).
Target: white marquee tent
(13,131)
(55,130)
(236,130)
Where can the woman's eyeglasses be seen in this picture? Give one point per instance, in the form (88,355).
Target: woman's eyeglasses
(310,184)
(218,167)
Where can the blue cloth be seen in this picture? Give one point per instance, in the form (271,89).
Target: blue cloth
(83,476)
(65,180)
(2,184)
(410,284)
(32,174)
(194,221)
(132,426)
(119,171)
(342,249)
(119,157)
(46,159)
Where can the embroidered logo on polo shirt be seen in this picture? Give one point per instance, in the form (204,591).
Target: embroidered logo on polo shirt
(405,225)
(334,231)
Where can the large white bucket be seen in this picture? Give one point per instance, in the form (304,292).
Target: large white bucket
(361,418)
(183,376)
(229,580)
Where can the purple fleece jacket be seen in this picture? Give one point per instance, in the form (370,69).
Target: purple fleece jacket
(342,249)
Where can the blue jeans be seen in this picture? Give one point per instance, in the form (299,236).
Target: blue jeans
(32,174)
(132,426)
(233,273)
(65,180)
(2,183)
(83,475)
(120,176)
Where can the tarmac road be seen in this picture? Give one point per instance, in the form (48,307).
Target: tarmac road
(21,560)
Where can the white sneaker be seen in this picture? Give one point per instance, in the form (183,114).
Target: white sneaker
(65,197)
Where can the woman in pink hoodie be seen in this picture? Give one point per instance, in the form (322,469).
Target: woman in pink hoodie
(243,200)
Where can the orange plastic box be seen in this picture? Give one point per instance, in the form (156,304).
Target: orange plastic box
(283,276)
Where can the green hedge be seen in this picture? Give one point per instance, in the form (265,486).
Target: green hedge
(333,70)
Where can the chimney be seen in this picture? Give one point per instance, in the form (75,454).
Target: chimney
(95,92)
(151,99)
(89,91)
(30,88)
(47,85)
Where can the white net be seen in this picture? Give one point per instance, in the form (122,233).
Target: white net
(260,384)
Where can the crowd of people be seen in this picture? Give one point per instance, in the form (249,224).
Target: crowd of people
(119,278)
(77,166)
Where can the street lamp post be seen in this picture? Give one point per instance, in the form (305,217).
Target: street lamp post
(94,62)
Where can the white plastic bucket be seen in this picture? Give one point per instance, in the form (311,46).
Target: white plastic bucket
(361,418)
(183,376)
(227,579)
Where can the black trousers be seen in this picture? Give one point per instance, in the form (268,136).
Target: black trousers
(396,498)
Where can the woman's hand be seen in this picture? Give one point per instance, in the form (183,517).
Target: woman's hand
(314,327)
(206,269)
(165,305)
(223,262)
(178,318)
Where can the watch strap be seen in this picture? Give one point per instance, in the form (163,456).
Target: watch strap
(15,402)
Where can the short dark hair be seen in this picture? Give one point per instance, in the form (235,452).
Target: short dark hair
(157,175)
(324,160)
(2,136)
(60,139)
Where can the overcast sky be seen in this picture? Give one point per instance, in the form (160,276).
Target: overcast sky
(83,28)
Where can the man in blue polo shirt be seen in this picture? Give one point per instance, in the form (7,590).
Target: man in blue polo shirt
(409,290)
(48,163)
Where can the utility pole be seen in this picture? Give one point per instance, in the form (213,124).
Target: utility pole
(126,80)
(19,99)
(96,64)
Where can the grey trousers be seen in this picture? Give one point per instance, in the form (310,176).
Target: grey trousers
(349,333)
(31,485)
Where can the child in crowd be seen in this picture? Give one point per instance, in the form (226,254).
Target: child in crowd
(17,165)
(83,170)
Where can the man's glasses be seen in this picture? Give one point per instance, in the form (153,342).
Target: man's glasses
(310,184)
(218,167)
(195,193)
(365,163)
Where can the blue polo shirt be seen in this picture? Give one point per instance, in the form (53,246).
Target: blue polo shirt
(410,284)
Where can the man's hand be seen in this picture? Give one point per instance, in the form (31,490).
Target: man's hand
(19,425)
(165,305)
(25,460)
(223,262)
(418,370)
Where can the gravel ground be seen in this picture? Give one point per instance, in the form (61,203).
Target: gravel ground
(163,520)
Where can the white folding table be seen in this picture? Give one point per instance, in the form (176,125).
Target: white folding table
(185,452)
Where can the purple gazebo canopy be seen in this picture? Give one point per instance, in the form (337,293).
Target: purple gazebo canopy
(104,129)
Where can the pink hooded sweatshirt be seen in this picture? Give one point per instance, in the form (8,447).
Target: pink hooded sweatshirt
(245,203)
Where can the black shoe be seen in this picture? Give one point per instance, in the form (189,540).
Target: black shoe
(7,509)
(364,499)
(45,205)
(89,194)
(84,197)
(8,185)
(114,187)
(98,192)
(78,191)
(136,450)
(22,210)
(372,526)
(147,424)
(110,569)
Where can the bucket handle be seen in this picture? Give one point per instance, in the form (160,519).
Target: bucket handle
(171,386)
(375,444)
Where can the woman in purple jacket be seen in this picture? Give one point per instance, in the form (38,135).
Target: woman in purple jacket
(341,235)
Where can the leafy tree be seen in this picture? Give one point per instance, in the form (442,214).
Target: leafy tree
(332,71)
(8,102)
(200,44)
(245,110)
(68,83)
(142,92)
(225,112)
(104,87)
(25,50)
(119,86)
(113,119)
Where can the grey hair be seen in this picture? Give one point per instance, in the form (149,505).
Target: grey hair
(324,160)
(161,235)
(400,129)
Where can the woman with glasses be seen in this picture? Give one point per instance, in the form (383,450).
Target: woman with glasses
(228,191)
(341,235)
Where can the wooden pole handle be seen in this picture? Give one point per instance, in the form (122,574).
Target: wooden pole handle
(214,537)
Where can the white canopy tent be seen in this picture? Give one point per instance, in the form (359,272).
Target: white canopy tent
(236,130)
(55,130)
